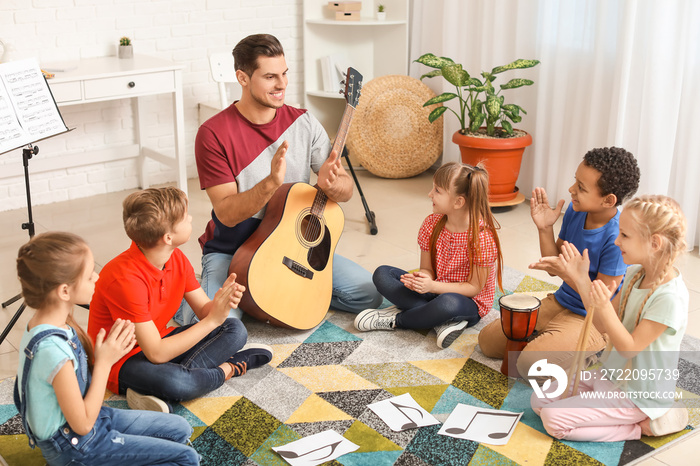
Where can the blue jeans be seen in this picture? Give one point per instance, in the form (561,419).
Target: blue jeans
(353,290)
(191,375)
(427,310)
(122,436)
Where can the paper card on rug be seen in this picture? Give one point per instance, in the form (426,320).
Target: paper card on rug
(402,413)
(316,449)
(489,426)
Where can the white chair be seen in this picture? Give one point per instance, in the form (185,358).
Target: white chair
(222,71)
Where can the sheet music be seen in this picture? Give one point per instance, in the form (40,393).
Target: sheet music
(28,111)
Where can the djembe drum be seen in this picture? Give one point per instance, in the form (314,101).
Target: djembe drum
(518,320)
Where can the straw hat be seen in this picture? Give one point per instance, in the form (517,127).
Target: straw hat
(390,133)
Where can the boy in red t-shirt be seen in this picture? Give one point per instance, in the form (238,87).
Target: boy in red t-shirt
(145,284)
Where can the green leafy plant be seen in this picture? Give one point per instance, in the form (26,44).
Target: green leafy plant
(380,8)
(479,102)
(124,41)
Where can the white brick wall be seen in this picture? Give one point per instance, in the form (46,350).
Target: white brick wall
(183,31)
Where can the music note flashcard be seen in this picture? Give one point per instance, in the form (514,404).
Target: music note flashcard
(489,426)
(402,413)
(316,449)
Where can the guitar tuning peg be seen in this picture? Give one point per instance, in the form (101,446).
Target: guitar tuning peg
(341,92)
(342,83)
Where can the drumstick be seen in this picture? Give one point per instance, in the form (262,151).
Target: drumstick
(579,357)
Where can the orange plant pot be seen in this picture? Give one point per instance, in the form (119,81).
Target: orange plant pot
(501,158)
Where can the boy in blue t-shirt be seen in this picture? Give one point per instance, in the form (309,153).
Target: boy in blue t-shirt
(603,180)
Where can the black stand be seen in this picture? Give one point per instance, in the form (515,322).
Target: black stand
(368,213)
(27,154)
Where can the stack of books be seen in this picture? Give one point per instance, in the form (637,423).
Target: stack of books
(346,11)
(333,69)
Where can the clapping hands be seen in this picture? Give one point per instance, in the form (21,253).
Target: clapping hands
(227,297)
(110,348)
(569,264)
(420,282)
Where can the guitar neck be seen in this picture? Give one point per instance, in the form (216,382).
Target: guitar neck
(343,129)
(321,198)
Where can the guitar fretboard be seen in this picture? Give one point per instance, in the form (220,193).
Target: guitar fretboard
(320,199)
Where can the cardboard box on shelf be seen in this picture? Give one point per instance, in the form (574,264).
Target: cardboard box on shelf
(347,15)
(345,6)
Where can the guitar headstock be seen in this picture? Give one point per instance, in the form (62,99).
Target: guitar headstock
(353,84)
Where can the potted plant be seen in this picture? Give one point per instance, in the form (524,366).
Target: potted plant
(486,134)
(381,14)
(125,48)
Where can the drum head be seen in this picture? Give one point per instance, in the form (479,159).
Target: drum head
(519,302)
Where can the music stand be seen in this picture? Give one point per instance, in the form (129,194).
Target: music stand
(28,114)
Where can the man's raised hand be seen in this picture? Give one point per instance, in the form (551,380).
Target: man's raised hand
(328,174)
(278,166)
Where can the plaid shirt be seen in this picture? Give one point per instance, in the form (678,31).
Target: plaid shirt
(453,258)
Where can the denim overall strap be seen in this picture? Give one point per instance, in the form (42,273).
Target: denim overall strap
(29,351)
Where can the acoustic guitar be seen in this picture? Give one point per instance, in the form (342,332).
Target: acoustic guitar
(286,265)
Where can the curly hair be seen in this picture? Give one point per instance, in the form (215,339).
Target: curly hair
(619,173)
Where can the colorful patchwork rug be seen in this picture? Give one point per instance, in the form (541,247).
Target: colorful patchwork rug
(324,379)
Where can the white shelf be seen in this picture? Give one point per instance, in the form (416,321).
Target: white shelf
(374,48)
(328,95)
(361,22)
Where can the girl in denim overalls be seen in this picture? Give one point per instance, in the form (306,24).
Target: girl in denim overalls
(61,407)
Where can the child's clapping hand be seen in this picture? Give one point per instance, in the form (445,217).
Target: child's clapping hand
(601,294)
(227,297)
(420,282)
(112,347)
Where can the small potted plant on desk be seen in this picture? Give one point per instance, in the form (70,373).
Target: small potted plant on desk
(381,13)
(125,48)
(497,144)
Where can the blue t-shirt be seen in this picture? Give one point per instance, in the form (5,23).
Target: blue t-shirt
(44,414)
(604,255)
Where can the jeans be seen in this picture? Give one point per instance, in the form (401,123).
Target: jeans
(191,375)
(122,436)
(421,311)
(353,290)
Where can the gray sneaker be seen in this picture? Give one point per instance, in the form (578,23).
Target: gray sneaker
(136,400)
(376,319)
(448,333)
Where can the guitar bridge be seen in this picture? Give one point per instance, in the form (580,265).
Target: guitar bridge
(297,268)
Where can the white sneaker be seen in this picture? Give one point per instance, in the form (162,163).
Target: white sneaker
(448,333)
(135,400)
(674,420)
(376,319)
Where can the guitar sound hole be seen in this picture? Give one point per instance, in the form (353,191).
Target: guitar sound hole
(310,228)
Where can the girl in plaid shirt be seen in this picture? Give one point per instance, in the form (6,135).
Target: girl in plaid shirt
(459,265)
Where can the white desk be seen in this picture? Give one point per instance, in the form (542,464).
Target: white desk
(109,78)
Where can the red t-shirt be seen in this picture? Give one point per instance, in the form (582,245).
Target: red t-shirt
(452,259)
(130,287)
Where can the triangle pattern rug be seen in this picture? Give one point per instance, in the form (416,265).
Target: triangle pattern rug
(324,379)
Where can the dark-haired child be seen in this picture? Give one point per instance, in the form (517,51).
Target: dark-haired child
(603,180)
